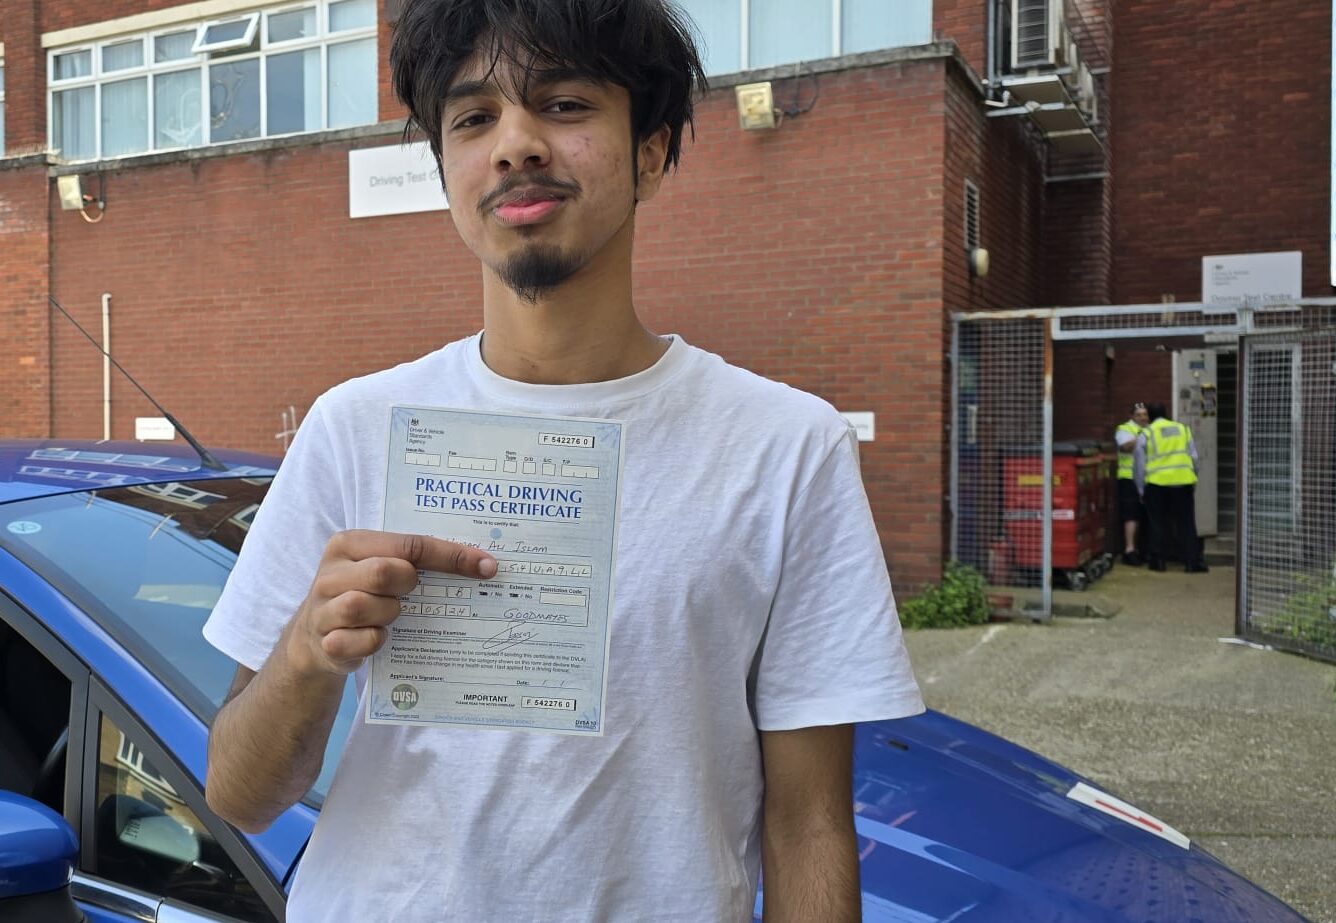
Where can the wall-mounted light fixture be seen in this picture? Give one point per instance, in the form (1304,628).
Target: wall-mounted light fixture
(978,262)
(73,198)
(756,106)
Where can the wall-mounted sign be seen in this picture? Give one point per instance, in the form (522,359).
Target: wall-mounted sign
(864,423)
(154,428)
(396,180)
(1252,280)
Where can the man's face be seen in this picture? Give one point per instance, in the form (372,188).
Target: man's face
(540,186)
(1140,417)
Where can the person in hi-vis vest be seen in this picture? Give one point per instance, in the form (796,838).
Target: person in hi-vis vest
(1165,470)
(1131,511)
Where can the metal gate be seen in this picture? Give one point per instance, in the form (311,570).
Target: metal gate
(1287,574)
(1002,437)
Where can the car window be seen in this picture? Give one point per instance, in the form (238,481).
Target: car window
(34,721)
(148,563)
(146,837)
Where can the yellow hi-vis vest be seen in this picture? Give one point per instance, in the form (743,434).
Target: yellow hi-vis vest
(1125,459)
(1168,463)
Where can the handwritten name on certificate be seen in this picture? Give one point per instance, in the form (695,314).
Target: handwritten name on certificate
(527,649)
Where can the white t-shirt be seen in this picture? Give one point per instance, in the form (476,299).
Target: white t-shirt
(751,593)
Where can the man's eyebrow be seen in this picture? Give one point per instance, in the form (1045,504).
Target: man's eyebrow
(537,80)
(468,88)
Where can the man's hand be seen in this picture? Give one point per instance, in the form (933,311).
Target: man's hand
(355,594)
(267,742)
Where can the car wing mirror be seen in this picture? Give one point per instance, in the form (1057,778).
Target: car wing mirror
(36,863)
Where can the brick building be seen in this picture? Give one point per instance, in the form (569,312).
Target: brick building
(1095,152)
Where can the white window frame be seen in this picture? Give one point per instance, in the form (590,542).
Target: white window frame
(204,46)
(836,8)
(2,99)
(323,39)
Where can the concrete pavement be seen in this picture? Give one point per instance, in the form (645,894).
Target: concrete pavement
(1235,747)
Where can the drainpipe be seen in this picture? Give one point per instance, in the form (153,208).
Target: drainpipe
(106,365)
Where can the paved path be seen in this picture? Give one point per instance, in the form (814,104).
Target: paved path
(1235,747)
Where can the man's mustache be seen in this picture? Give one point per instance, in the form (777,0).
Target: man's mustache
(527,181)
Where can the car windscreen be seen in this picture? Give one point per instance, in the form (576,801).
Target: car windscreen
(148,563)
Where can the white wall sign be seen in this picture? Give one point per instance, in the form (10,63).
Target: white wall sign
(864,423)
(1255,280)
(154,428)
(396,180)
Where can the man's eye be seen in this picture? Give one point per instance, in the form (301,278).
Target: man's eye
(472,121)
(566,106)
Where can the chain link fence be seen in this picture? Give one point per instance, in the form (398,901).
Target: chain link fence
(1288,486)
(998,448)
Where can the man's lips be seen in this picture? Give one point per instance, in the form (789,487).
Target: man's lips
(526,209)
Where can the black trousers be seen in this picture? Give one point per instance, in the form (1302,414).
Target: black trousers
(1173,523)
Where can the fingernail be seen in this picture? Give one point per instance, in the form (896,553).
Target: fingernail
(487,567)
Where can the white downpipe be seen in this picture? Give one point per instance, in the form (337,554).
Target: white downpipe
(106,365)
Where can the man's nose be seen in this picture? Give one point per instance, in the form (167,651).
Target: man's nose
(520,143)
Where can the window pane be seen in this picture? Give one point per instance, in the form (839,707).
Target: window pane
(176,110)
(352,83)
(173,47)
(351,14)
(872,24)
(720,25)
(234,100)
(226,32)
(72,127)
(74,64)
(125,117)
(292,85)
(122,55)
(146,836)
(787,31)
(284,27)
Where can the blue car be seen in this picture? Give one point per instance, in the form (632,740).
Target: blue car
(111,558)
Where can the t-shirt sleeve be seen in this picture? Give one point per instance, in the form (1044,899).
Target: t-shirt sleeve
(833,652)
(282,551)
(1123,437)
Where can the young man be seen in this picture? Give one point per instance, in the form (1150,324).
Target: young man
(1130,509)
(753,622)
(1165,463)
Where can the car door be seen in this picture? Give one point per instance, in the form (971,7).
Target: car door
(149,848)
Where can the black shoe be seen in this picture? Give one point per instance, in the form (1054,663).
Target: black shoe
(1132,559)
(1156,564)
(1198,568)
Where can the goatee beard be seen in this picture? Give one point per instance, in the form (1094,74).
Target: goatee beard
(537,270)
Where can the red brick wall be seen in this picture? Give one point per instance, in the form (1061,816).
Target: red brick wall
(25,77)
(1094,392)
(240,286)
(964,22)
(25,397)
(1221,138)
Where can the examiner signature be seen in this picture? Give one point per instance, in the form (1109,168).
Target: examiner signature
(508,637)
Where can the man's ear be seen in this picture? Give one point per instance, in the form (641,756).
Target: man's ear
(651,155)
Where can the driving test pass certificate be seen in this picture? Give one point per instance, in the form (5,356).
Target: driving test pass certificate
(527,649)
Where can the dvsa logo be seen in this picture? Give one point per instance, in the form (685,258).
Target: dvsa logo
(404,696)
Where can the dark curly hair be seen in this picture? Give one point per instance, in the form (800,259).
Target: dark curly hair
(645,46)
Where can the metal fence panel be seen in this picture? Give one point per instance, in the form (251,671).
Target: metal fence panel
(1288,488)
(999,442)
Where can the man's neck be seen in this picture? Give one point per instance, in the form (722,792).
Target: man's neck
(583,331)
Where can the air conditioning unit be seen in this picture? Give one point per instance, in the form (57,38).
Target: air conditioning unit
(1037,34)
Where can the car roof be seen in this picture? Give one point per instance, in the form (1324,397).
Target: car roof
(45,467)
